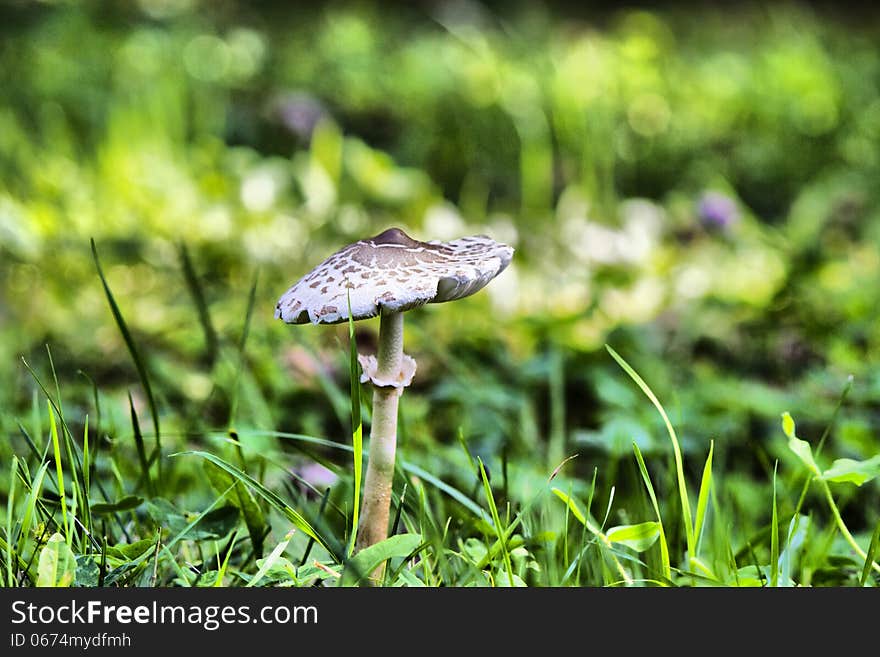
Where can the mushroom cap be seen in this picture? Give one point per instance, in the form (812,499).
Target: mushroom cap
(392,272)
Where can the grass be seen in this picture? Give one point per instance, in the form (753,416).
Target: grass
(79,512)
(159,427)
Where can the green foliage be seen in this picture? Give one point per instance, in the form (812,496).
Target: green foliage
(367,560)
(856,472)
(57,566)
(696,186)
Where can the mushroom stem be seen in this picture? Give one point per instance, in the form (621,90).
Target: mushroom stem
(373,526)
(390,351)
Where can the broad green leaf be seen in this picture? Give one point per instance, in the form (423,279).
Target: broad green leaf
(408,578)
(208,578)
(503,580)
(797,535)
(367,560)
(281,572)
(124,504)
(638,537)
(856,472)
(474,549)
(130,551)
(266,564)
(801,448)
(57,566)
(749,576)
(87,571)
(804,452)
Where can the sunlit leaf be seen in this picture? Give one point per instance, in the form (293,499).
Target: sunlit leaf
(788,425)
(638,537)
(57,565)
(855,472)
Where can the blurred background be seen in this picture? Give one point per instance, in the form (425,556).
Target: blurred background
(694,185)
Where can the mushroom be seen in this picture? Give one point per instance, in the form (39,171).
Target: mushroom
(387,275)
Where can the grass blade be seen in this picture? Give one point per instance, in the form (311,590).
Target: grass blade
(703,498)
(411,468)
(357,429)
(774,537)
(36,489)
(241,497)
(86,482)
(79,494)
(272,498)
(679,465)
(221,572)
(198,297)
(664,547)
(324,499)
(587,521)
(97,399)
(242,343)
(269,561)
(10,504)
(59,472)
(141,449)
(496,521)
(132,348)
(66,436)
(873,549)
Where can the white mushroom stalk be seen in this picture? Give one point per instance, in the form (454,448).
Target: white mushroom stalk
(387,275)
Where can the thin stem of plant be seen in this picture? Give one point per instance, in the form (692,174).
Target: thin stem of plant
(843,529)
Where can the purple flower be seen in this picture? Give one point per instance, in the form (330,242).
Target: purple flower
(717,210)
(311,477)
(299,112)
